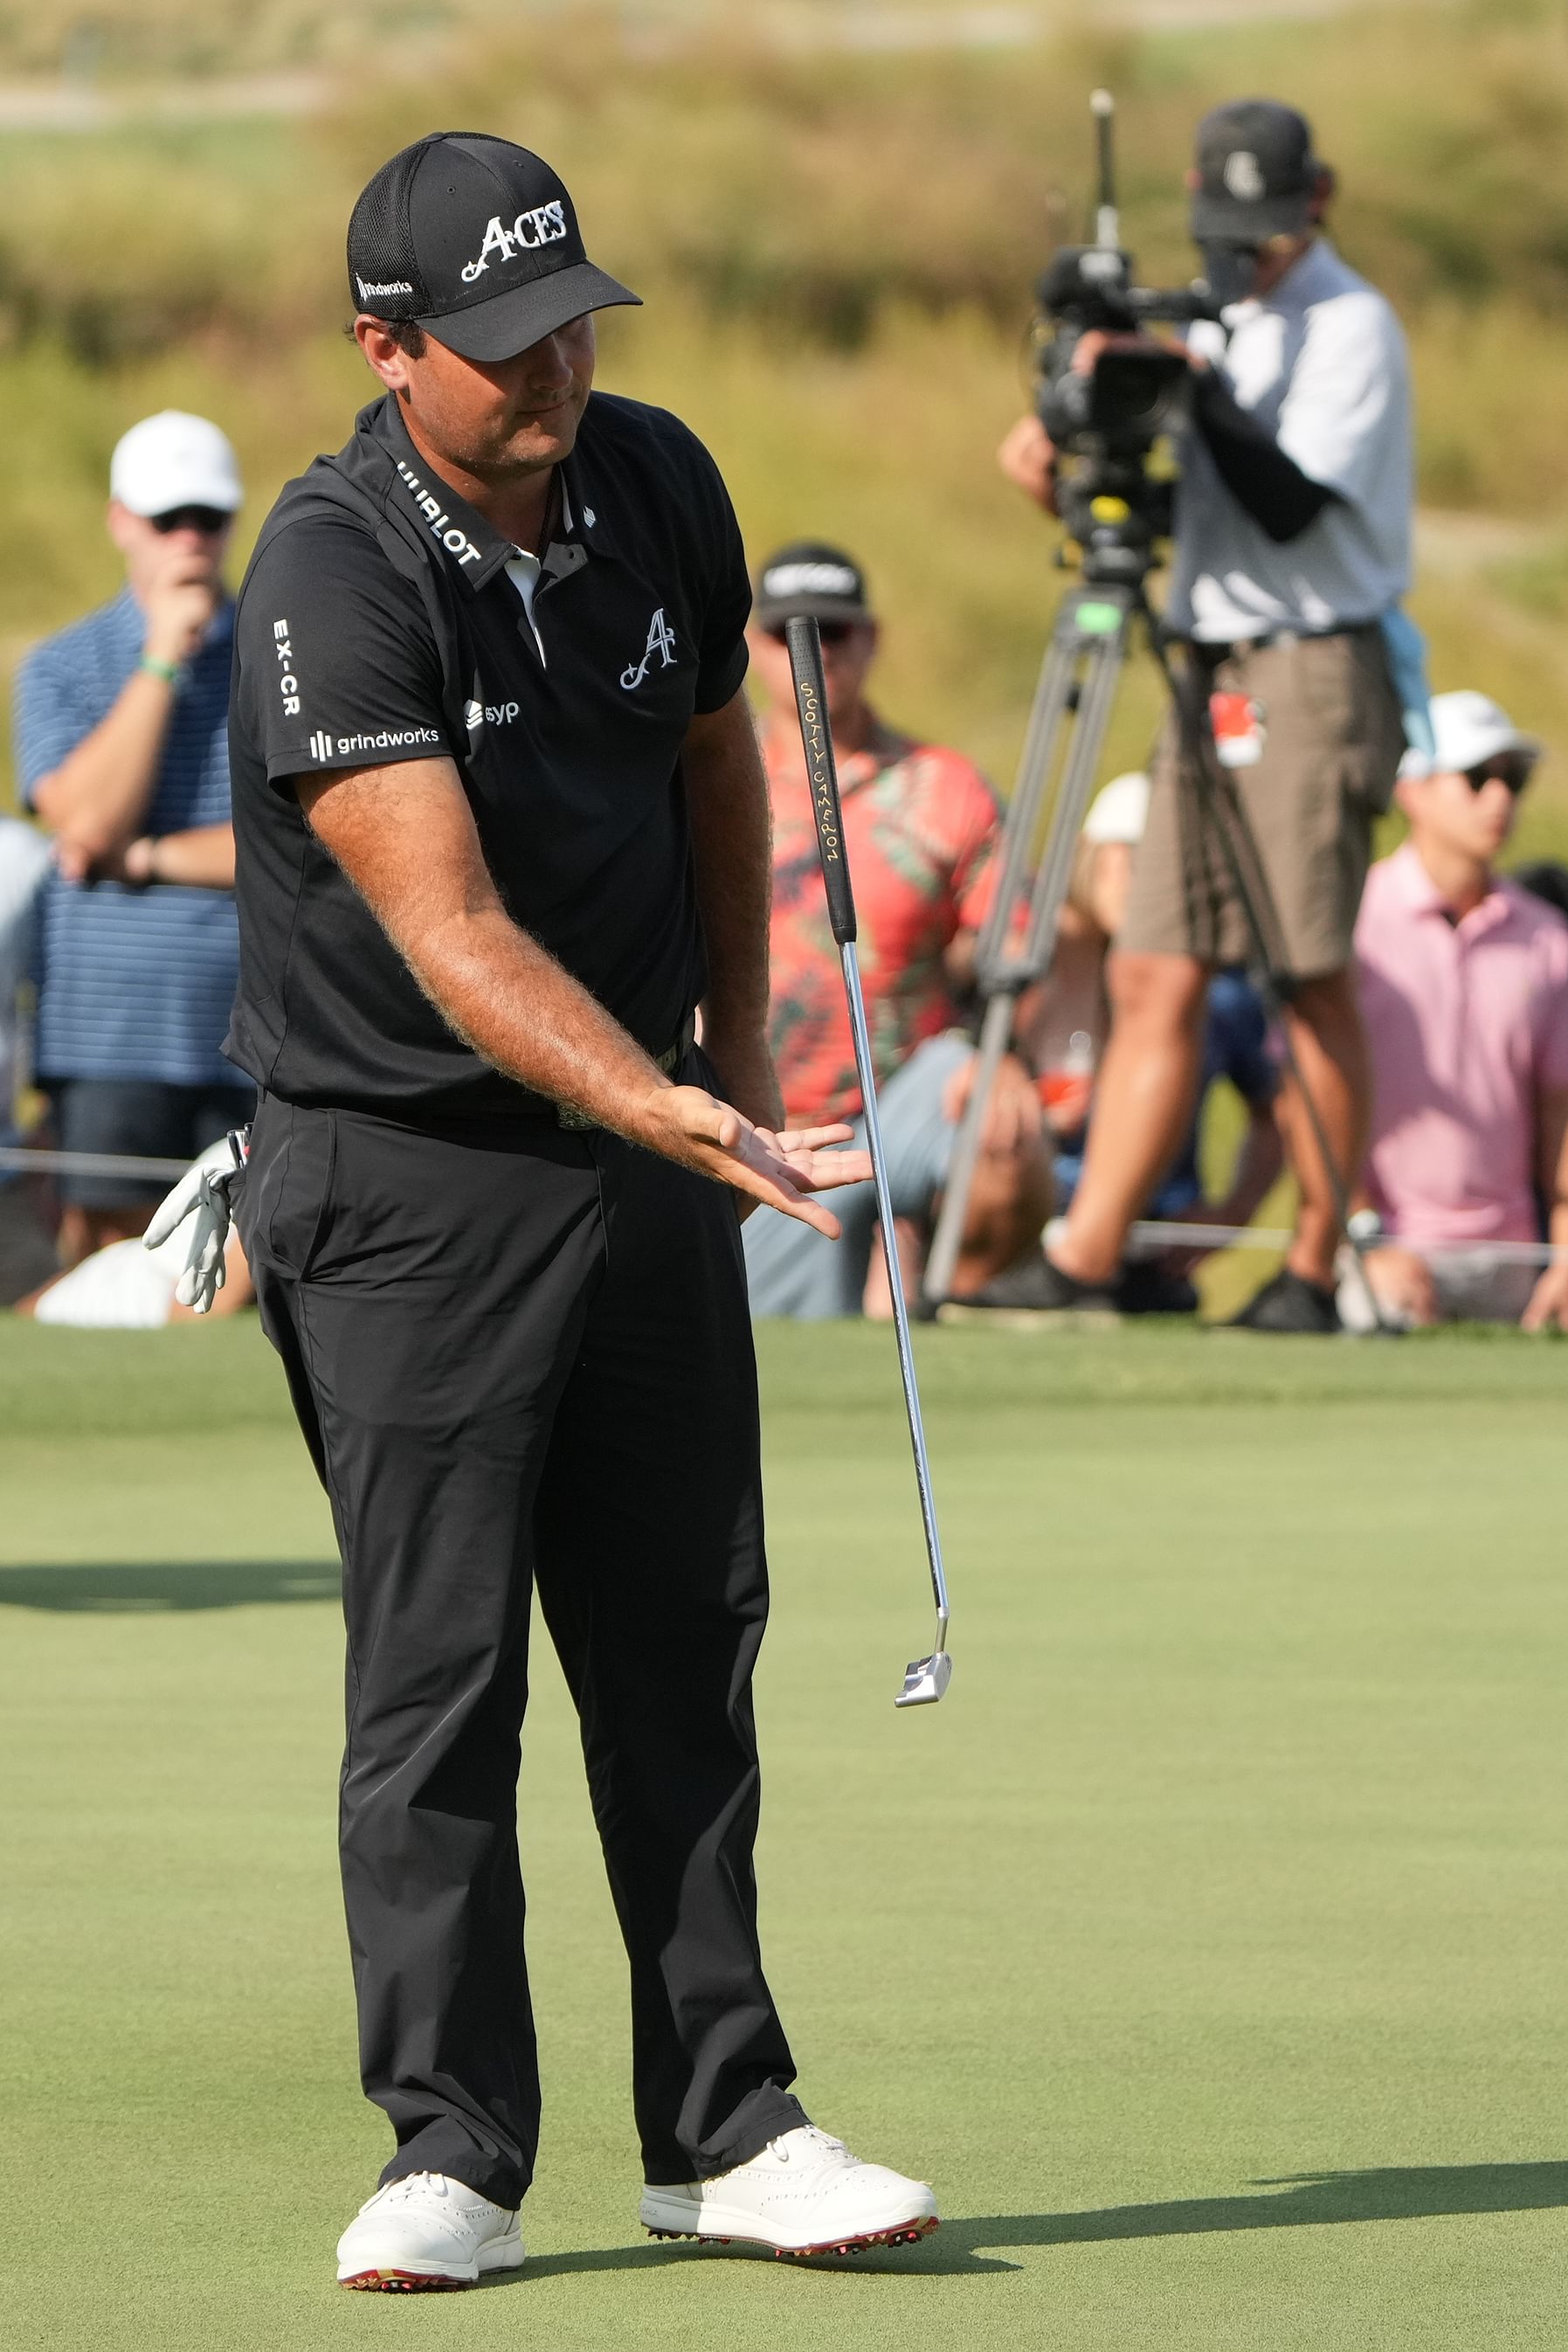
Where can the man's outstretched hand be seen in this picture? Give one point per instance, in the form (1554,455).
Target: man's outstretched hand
(781,1169)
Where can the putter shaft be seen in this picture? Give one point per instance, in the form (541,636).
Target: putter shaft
(856,997)
(924,1679)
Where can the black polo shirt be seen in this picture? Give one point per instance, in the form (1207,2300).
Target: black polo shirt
(378,623)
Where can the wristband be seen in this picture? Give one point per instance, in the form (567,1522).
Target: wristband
(168,671)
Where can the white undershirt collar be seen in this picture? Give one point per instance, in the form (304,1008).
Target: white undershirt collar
(523,570)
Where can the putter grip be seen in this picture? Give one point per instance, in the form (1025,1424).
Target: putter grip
(804,641)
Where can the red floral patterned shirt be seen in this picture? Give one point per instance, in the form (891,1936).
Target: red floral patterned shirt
(919,826)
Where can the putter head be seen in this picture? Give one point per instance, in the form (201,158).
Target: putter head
(924,1680)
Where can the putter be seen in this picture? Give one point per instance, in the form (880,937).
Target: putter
(924,1679)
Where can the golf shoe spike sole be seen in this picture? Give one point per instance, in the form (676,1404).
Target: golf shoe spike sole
(394,2282)
(906,2234)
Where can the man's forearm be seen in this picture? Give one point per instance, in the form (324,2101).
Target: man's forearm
(510,1000)
(405,838)
(1549,1300)
(1270,486)
(201,859)
(1554,1174)
(732,847)
(96,798)
(1552,1152)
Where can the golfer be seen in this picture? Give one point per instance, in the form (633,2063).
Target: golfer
(502,827)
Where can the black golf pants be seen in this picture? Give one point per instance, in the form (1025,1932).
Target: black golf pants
(523,1357)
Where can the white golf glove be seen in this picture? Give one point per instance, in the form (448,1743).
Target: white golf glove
(202,1195)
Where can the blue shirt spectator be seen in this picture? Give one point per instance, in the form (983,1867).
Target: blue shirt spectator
(122,750)
(138,978)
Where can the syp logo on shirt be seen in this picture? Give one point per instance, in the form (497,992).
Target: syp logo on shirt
(477,715)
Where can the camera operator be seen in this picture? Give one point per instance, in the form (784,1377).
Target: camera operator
(1291,545)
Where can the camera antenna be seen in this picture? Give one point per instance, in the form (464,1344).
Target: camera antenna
(1107,219)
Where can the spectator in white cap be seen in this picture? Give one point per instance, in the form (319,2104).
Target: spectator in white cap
(122,753)
(1464,990)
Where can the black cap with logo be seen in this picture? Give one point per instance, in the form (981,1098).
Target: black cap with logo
(809,577)
(476,240)
(1255,173)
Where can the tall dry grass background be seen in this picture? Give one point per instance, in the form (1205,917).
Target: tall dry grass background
(837,250)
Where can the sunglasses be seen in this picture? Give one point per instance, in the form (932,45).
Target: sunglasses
(1510,768)
(833,632)
(209,520)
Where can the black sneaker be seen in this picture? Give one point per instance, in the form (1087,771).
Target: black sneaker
(1289,1302)
(1145,1289)
(1033,1287)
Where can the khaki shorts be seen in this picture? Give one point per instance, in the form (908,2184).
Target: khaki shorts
(1332,737)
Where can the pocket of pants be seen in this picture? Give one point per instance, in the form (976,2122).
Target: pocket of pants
(1380,733)
(293,1157)
(1319,688)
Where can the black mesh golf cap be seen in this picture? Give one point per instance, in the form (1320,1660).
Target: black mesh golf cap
(809,576)
(1255,174)
(476,240)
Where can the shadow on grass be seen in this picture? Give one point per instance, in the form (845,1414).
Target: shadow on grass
(114,1587)
(962,2248)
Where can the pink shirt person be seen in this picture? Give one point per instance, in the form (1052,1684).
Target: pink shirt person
(1468,1023)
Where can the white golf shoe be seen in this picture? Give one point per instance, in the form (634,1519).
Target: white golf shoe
(805,2194)
(425,2233)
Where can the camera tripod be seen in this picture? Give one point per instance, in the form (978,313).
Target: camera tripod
(1073,702)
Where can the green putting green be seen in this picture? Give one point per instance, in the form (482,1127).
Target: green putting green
(1205,1947)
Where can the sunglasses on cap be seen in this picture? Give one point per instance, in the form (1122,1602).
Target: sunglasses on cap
(208,521)
(1510,768)
(833,632)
